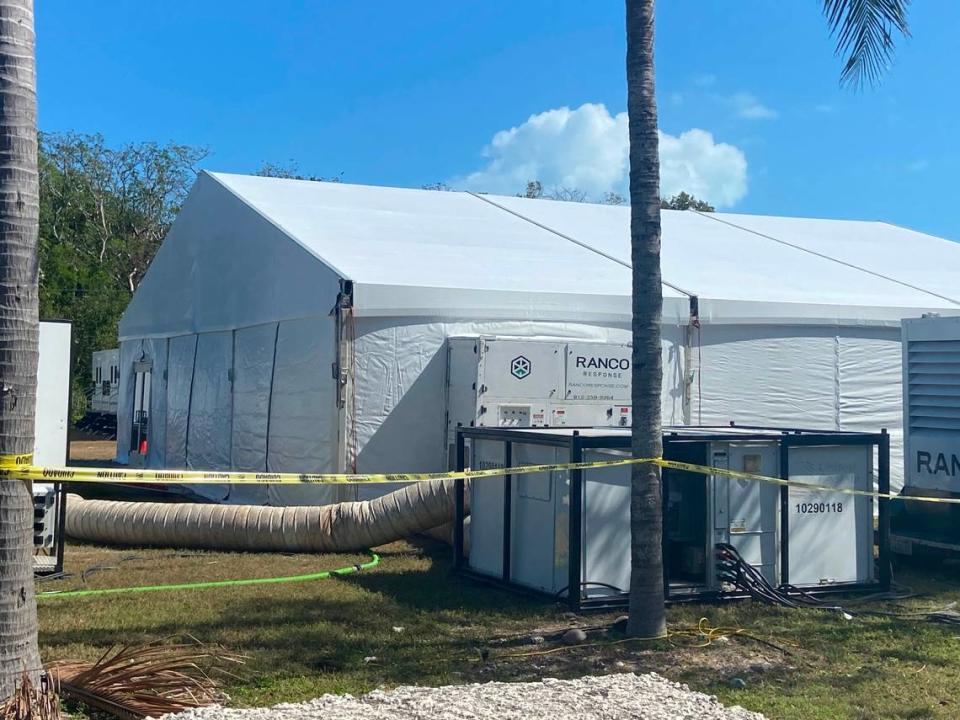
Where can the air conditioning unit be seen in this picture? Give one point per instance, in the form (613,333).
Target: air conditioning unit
(931,425)
(566,533)
(522,383)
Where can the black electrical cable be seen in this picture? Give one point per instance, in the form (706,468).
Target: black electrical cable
(588,583)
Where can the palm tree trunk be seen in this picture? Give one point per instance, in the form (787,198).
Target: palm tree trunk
(19,220)
(646,516)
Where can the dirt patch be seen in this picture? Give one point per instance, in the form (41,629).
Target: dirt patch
(88,450)
(691,659)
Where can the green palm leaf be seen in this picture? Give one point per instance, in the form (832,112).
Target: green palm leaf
(864,30)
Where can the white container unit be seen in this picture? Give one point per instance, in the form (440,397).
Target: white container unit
(525,529)
(51,427)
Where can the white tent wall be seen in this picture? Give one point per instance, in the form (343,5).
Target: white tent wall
(156,349)
(766,375)
(806,376)
(224,266)
(180,364)
(129,353)
(870,361)
(303,412)
(258,399)
(396,419)
(254,350)
(211,400)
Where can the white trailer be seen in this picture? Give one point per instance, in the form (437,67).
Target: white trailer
(105,374)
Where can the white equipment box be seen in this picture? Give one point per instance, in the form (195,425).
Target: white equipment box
(51,428)
(524,530)
(521,383)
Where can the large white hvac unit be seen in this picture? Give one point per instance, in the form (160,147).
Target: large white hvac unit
(523,383)
(931,425)
(548,532)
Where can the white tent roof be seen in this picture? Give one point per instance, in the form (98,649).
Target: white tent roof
(419,238)
(452,253)
(725,257)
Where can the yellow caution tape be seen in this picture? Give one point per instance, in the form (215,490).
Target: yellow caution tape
(16,461)
(10,468)
(203,477)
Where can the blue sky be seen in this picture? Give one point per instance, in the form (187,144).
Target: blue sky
(414,93)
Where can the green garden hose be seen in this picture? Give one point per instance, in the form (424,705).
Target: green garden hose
(348,570)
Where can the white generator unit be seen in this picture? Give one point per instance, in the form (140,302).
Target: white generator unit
(522,383)
(931,425)
(551,531)
(105,374)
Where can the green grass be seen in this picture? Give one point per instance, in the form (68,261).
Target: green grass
(305,639)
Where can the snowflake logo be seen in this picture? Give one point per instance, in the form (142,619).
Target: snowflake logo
(520,367)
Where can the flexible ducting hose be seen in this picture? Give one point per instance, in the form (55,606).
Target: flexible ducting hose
(343,527)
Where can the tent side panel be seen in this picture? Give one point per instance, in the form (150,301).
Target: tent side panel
(870,388)
(302,435)
(253,373)
(179,377)
(129,352)
(818,377)
(155,349)
(767,375)
(208,433)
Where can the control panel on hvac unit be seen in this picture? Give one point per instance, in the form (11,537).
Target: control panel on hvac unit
(511,382)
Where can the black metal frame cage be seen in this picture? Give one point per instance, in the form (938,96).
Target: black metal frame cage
(673,440)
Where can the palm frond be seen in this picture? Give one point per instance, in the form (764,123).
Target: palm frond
(145,681)
(864,30)
(32,702)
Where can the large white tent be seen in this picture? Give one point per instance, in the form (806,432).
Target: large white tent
(300,326)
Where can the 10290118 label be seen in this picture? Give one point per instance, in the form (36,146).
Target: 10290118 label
(809,508)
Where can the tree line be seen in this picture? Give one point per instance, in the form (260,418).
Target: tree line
(103,213)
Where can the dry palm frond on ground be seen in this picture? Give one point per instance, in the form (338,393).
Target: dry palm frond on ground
(147,680)
(32,702)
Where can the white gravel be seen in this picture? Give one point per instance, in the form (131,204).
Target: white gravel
(609,697)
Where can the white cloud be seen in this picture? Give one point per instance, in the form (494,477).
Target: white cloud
(695,163)
(918,165)
(705,80)
(587,148)
(748,106)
